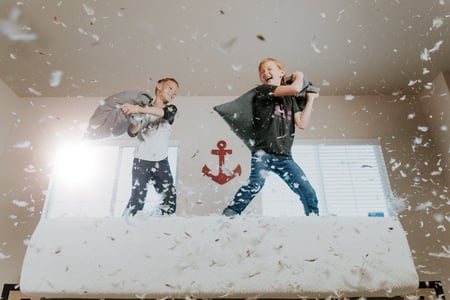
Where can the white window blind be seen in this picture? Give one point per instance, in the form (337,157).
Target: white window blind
(349,179)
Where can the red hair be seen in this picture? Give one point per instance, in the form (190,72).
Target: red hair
(279,65)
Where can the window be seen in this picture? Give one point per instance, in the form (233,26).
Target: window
(93,180)
(350,180)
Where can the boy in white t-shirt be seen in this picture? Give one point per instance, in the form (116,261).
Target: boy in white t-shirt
(150,163)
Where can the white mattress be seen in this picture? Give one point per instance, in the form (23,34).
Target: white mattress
(216,256)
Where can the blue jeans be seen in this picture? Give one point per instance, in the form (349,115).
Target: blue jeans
(287,169)
(158,172)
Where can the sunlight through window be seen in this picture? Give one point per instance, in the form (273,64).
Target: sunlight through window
(75,165)
(92,180)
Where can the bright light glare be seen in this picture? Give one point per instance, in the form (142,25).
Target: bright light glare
(75,164)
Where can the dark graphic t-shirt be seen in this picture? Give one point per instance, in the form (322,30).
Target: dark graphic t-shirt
(274,121)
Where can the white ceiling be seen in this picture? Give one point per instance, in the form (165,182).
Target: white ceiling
(213,47)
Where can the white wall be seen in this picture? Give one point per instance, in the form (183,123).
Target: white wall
(436,107)
(10,118)
(8,114)
(409,154)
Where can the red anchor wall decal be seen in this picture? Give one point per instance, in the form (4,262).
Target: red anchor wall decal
(222,177)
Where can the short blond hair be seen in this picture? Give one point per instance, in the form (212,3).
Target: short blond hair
(165,80)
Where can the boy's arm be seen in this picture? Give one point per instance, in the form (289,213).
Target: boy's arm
(291,89)
(168,113)
(302,117)
(129,108)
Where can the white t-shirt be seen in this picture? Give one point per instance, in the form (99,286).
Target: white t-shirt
(154,135)
(154,144)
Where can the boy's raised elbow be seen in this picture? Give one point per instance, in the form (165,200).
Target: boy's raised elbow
(297,87)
